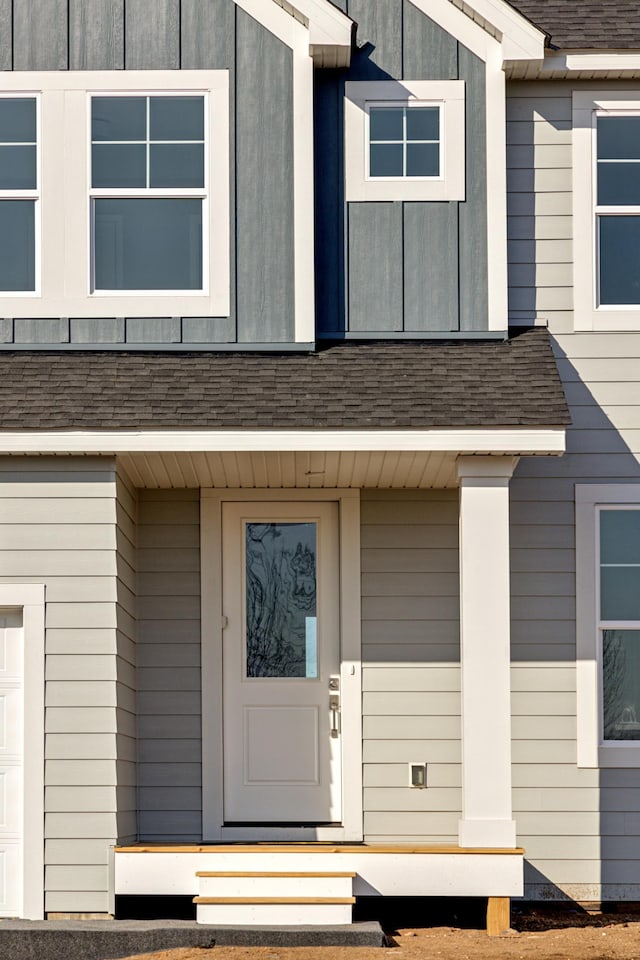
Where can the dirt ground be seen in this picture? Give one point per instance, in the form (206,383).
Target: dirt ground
(535,935)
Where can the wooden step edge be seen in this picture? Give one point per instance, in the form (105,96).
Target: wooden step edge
(272,900)
(274,874)
(320,847)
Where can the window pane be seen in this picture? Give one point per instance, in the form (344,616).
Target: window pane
(176,165)
(18,168)
(148,244)
(618,138)
(281,613)
(620,536)
(619,260)
(176,118)
(17,120)
(119,118)
(119,165)
(618,183)
(423,123)
(621,684)
(386,123)
(17,245)
(386,160)
(620,593)
(423,159)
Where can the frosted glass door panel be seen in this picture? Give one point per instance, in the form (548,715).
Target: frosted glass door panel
(281,595)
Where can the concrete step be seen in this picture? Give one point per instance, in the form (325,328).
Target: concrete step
(102,939)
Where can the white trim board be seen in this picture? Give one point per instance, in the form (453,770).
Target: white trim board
(350,660)
(587,314)
(30,598)
(544,440)
(377,874)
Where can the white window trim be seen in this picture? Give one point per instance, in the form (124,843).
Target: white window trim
(449,95)
(64,158)
(29,597)
(592,750)
(588,315)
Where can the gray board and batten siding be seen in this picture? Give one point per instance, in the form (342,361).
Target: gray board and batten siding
(182,34)
(400,268)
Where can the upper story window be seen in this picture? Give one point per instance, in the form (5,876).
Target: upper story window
(618,208)
(405,140)
(606,210)
(147,192)
(114,190)
(18,193)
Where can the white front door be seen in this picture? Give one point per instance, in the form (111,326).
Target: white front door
(281,664)
(11,761)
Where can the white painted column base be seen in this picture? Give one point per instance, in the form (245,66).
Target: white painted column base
(487,833)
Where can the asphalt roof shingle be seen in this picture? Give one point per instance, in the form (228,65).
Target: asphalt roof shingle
(585,24)
(384,384)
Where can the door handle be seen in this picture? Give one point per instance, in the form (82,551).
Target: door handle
(334,707)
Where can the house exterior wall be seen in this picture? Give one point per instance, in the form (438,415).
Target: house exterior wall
(411,672)
(411,664)
(59,527)
(217,35)
(580,827)
(393,267)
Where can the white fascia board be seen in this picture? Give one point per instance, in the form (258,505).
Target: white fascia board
(521,40)
(473,22)
(541,441)
(328,26)
(590,62)
(327,32)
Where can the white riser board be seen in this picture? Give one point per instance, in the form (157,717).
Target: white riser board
(275,886)
(274,914)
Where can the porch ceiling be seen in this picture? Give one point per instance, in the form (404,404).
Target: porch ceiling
(293,469)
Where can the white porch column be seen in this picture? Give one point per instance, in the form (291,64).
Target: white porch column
(485,654)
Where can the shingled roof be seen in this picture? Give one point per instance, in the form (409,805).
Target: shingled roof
(390,384)
(585,24)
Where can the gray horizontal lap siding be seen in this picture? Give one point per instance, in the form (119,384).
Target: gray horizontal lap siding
(58,526)
(411,664)
(183,34)
(169,688)
(400,267)
(580,827)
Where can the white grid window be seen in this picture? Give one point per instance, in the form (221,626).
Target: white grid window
(148,192)
(404,140)
(617,192)
(19,194)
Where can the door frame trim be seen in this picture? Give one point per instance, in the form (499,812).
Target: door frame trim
(211,501)
(29,597)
